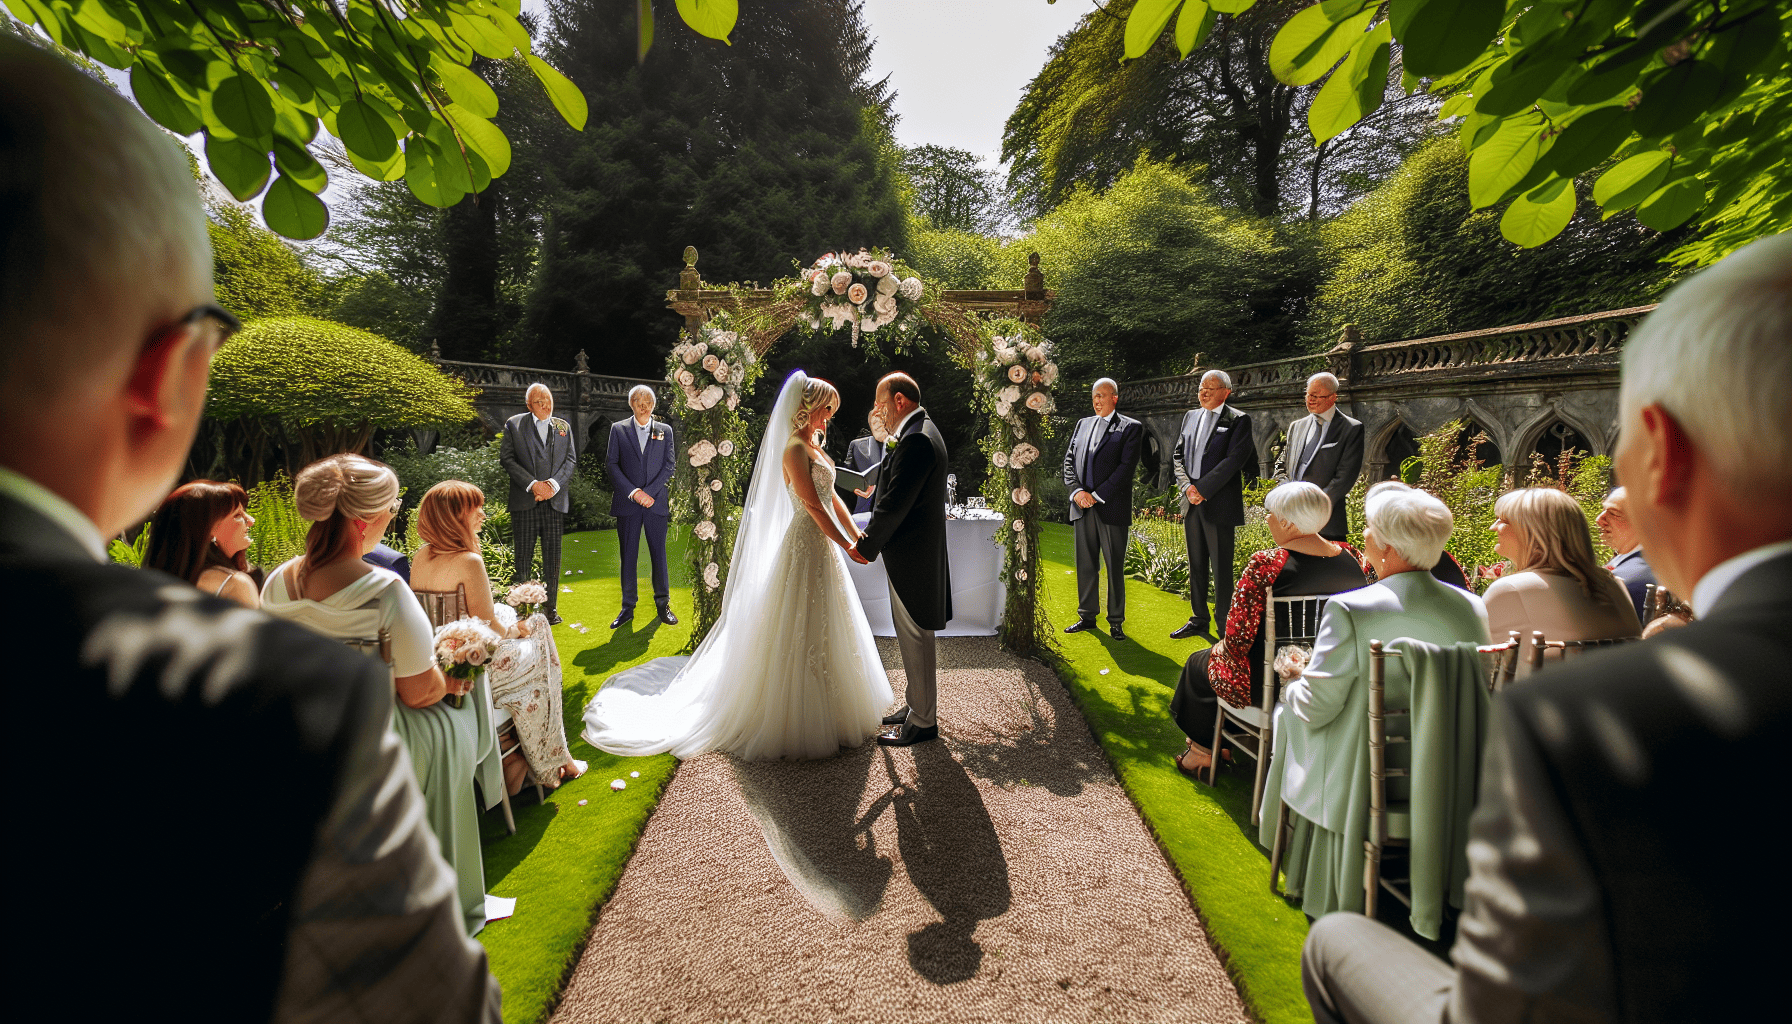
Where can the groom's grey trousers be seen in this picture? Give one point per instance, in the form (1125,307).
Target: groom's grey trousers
(917,662)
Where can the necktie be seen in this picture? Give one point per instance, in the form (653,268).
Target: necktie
(1311,447)
(1202,433)
(1098,434)
(641,435)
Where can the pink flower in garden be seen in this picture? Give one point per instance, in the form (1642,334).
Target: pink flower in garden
(856,293)
(840,282)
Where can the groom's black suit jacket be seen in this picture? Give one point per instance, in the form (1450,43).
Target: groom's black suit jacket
(218,812)
(909,522)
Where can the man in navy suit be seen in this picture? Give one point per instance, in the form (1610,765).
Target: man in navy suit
(1628,563)
(1098,469)
(538,455)
(1211,452)
(641,461)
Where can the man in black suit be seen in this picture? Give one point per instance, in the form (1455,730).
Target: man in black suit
(909,521)
(264,788)
(537,454)
(641,459)
(1628,564)
(1098,469)
(1211,451)
(1590,896)
(864,453)
(1325,448)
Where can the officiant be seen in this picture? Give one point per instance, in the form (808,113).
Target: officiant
(864,453)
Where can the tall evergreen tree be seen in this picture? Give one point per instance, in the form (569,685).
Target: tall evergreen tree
(772,149)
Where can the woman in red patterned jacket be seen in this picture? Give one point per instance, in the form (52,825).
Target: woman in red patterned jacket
(1301,563)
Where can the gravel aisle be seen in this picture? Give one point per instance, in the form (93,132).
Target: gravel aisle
(999,875)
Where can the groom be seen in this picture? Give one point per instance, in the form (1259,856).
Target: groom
(909,520)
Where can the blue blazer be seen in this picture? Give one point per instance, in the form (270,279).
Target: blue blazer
(1108,470)
(1633,571)
(390,558)
(632,469)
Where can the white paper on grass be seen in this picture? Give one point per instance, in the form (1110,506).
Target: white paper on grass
(497,908)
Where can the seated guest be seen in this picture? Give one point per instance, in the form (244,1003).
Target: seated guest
(1447,569)
(1301,563)
(525,672)
(199,533)
(1582,902)
(316,889)
(1320,766)
(1627,561)
(1555,584)
(350,500)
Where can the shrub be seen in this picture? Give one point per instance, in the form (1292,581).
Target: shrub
(279,530)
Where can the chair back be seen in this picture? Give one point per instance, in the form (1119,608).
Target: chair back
(379,645)
(1379,772)
(443,606)
(1575,648)
(1286,620)
(1659,601)
(1501,660)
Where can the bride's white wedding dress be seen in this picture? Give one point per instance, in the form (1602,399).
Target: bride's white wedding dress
(790,669)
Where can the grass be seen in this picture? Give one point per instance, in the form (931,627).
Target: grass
(1206,832)
(565,860)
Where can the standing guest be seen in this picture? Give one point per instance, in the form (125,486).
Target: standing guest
(1555,584)
(525,671)
(538,455)
(349,501)
(1211,451)
(200,533)
(1325,447)
(1581,902)
(640,457)
(864,453)
(1098,470)
(323,895)
(1628,564)
(383,557)
(1302,563)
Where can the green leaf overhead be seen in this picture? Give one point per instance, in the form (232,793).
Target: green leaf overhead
(1311,43)
(255,76)
(1146,22)
(1193,26)
(1540,214)
(1441,36)
(292,210)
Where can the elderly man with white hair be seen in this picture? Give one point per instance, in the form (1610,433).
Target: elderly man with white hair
(310,886)
(1212,449)
(537,454)
(1098,470)
(1321,724)
(641,459)
(1325,447)
(1586,898)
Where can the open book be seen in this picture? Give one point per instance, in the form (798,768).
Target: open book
(855,479)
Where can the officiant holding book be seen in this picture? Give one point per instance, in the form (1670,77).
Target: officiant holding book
(863,456)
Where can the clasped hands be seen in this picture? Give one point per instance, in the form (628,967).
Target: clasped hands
(852,551)
(642,498)
(1083,499)
(1194,496)
(542,490)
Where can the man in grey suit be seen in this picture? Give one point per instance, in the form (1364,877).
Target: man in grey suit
(862,454)
(537,453)
(1098,469)
(1583,901)
(320,893)
(1325,448)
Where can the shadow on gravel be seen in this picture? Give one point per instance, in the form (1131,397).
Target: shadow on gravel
(951,853)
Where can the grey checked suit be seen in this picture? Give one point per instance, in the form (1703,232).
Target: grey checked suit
(526,459)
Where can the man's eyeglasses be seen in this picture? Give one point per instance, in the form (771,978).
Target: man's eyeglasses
(226,321)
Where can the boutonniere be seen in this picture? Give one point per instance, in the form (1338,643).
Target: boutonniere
(656,436)
(558,425)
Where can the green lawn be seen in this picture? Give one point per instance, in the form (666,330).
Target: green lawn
(1206,832)
(565,860)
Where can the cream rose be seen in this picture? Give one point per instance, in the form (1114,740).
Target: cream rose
(1037,401)
(1021,495)
(1050,373)
(1000,459)
(1017,373)
(715,485)
(705,530)
(884,304)
(685,378)
(1010,394)
(878,268)
(819,286)
(702,453)
(725,449)
(1003,409)
(709,362)
(721,371)
(712,575)
(691,355)
(856,293)
(840,282)
(888,286)
(711,395)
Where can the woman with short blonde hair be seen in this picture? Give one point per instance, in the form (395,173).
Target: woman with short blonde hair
(1555,583)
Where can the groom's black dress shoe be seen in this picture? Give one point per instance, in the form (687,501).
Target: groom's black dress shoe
(1078,627)
(897,717)
(554,619)
(1117,633)
(1189,629)
(627,616)
(667,617)
(907,735)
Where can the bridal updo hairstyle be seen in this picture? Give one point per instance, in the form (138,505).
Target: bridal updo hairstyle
(333,494)
(444,517)
(1553,535)
(816,394)
(180,531)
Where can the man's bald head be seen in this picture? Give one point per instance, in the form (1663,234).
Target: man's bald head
(101,227)
(897,396)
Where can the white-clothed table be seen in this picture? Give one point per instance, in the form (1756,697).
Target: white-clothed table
(978,596)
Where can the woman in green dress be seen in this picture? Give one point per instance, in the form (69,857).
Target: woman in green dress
(350,500)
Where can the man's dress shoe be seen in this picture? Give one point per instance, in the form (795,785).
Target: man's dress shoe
(906,735)
(1117,633)
(554,619)
(897,717)
(1078,627)
(628,616)
(667,617)
(1187,630)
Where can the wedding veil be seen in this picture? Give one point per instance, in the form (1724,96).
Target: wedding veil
(764,517)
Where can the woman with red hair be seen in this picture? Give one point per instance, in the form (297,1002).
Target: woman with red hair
(200,533)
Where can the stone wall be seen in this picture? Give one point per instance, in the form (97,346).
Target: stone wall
(1529,388)
(589,402)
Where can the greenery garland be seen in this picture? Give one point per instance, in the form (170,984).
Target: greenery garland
(1013,376)
(708,376)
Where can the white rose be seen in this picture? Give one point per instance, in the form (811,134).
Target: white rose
(701,453)
(884,316)
(691,355)
(1007,355)
(1000,459)
(1010,394)
(840,282)
(911,289)
(1019,526)
(711,395)
(878,268)
(1036,401)
(1021,495)
(738,375)
(1050,373)
(888,285)
(685,378)
(819,286)
(725,449)
(715,485)
(870,324)
(1002,409)
(712,575)
(1020,574)
(885,304)
(705,530)
(721,370)
(728,337)
(1034,354)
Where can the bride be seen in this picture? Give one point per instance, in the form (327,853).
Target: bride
(790,669)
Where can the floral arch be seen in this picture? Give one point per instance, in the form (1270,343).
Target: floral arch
(994,334)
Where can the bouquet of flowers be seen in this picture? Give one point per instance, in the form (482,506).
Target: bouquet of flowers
(527,597)
(463,647)
(865,290)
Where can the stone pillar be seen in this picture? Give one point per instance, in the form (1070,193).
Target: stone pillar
(689,281)
(581,387)
(1033,304)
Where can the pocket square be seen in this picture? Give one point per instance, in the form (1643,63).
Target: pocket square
(1221,430)
(1332,444)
